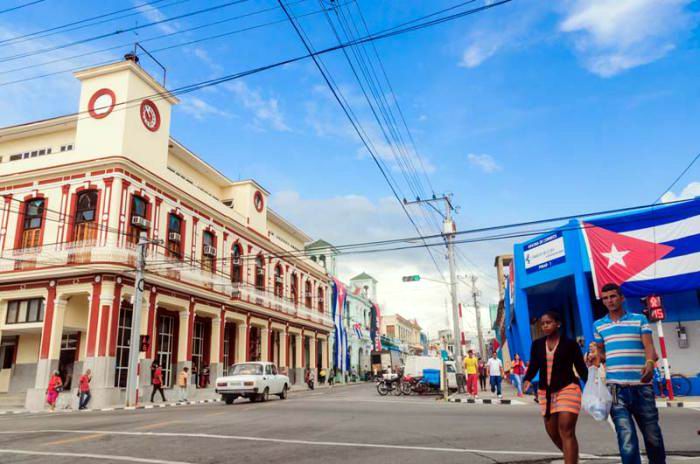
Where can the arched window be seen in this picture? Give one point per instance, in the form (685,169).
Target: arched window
(208,251)
(294,288)
(279,282)
(236,266)
(307,294)
(32,223)
(260,273)
(320,301)
(85,216)
(322,260)
(139,221)
(175,235)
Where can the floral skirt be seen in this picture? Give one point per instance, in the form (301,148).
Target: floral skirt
(568,399)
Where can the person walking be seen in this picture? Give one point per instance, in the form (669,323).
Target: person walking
(471,369)
(495,369)
(626,346)
(157,381)
(54,388)
(518,370)
(182,380)
(554,357)
(204,377)
(482,373)
(84,389)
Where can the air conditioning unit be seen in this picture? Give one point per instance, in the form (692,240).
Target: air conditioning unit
(209,250)
(140,222)
(261,271)
(236,261)
(278,279)
(174,237)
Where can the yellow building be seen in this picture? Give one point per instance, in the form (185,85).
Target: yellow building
(223,285)
(406,331)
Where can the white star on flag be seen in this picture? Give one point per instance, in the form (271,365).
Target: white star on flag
(616,256)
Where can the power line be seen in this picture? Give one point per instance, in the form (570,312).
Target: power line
(14,8)
(687,168)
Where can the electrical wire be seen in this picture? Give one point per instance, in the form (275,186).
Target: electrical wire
(14,8)
(673,184)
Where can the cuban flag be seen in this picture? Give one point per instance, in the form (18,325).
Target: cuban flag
(357,328)
(340,350)
(654,251)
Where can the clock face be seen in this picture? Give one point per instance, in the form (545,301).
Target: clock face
(101,103)
(258,201)
(150,115)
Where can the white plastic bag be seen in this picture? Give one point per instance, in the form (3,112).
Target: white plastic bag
(596,400)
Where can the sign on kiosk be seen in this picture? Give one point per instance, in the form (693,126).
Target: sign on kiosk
(544,253)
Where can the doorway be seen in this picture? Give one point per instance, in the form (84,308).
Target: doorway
(166,347)
(69,354)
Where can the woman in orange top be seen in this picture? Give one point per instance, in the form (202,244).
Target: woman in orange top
(554,356)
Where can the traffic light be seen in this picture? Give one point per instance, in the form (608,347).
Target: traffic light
(653,309)
(411,278)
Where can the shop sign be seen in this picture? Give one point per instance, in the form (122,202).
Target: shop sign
(544,253)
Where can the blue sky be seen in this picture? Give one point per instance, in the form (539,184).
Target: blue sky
(528,110)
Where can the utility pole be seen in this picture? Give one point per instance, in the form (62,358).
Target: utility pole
(479,331)
(132,379)
(448,233)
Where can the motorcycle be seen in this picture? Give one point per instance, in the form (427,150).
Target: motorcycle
(390,383)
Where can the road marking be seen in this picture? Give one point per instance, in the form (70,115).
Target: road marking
(298,442)
(72,440)
(157,424)
(110,457)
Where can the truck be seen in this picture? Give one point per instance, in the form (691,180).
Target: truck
(414,366)
(385,358)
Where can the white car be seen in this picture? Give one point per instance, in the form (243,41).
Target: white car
(253,380)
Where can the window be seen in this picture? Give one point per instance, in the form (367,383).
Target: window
(23,311)
(121,367)
(279,282)
(260,273)
(68,147)
(32,222)
(236,266)
(307,294)
(208,251)
(139,223)
(86,216)
(319,303)
(175,236)
(268,369)
(294,288)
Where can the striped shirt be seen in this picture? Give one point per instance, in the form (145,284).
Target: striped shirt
(624,350)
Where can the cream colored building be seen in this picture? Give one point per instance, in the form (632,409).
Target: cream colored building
(76,193)
(406,331)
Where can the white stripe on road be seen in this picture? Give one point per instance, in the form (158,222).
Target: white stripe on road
(110,457)
(296,442)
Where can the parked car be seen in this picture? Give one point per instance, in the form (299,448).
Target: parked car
(253,380)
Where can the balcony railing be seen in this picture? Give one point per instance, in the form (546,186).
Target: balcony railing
(156,263)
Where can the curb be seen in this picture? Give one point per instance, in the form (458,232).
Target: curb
(114,408)
(479,401)
(679,404)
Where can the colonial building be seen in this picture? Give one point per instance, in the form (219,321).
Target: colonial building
(359,323)
(406,332)
(227,282)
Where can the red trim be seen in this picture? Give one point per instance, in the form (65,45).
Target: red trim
(94,318)
(156,124)
(6,219)
(20,219)
(258,196)
(150,330)
(104,330)
(74,209)
(93,100)
(48,322)
(114,321)
(286,350)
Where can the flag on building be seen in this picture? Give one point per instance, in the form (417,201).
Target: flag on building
(357,328)
(653,251)
(340,349)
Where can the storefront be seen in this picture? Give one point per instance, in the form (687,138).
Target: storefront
(655,251)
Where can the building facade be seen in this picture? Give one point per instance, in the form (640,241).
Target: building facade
(406,333)
(358,323)
(227,281)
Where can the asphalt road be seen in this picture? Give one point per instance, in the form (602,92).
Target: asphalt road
(347,424)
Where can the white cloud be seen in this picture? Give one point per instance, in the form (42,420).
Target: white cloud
(199,109)
(691,190)
(479,51)
(153,14)
(484,162)
(206,59)
(355,218)
(266,111)
(614,35)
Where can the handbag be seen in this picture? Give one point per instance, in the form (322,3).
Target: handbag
(596,399)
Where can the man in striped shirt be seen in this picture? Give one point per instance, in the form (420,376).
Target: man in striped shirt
(625,344)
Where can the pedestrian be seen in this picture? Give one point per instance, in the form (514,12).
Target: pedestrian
(495,370)
(482,373)
(182,381)
(84,389)
(204,377)
(54,388)
(322,376)
(308,378)
(554,357)
(471,369)
(518,370)
(157,381)
(195,375)
(626,346)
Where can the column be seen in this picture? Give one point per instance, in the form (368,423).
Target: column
(151,322)
(215,350)
(102,367)
(312,353)
(324,353)
(284,349)
(93,320)
(52,332)
(299,350)
(265,342)
(241,342)
(183,341)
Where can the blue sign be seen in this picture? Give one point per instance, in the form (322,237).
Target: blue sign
(445,355)
(544,253)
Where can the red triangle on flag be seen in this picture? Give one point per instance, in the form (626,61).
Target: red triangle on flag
(615,258)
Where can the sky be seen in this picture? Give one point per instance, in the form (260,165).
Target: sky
(523,111)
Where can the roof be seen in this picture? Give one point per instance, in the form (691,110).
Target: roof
(363,276)
(321,244)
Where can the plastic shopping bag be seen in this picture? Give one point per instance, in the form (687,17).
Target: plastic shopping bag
(596,397)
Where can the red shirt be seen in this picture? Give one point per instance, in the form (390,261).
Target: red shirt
(84,383)
(54,383)
(157,376)
(518,368)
